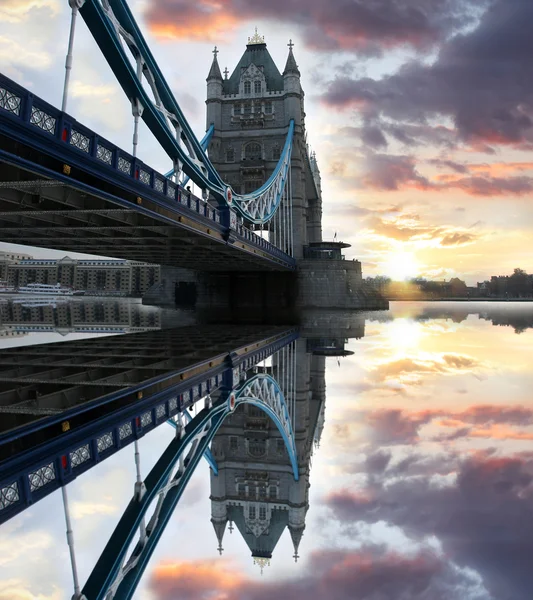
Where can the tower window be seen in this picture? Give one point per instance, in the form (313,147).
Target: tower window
(251,512)
(247,108)
(257,86)
(247,87)
(234,443)
(241,490)
(280,446)
(276,152)
(268,108)
(230,155)
(262,513)
(272,492)
(253,151)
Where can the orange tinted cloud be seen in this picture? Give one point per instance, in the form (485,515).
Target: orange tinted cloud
(190,580)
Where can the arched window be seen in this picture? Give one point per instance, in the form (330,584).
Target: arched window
(253,151)
(262,513)
(257,86)
(251,512)
(230,155)
(247,87)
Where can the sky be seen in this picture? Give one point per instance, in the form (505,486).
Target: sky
(420,111)
(422,487)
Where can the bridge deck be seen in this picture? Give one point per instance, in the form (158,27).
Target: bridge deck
(95,396)
(63,186)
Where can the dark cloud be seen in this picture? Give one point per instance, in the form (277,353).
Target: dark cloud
(388,172)
(387,427)
(364,26)
(481,80)
(457,239)
(484,521)
(371,573)
(448,164)
(396,172)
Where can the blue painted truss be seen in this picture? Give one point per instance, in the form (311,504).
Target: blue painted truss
(125,49)
(122,563)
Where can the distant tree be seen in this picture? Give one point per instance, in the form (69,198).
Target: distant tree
(520,283)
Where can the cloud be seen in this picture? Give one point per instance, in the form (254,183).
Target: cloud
(483,519)
(15,589)
(15,54)
(17,11)
(366,574)
(389,427)
(387,172)
(364,26)
(458,239)
(81,510)
(479,80)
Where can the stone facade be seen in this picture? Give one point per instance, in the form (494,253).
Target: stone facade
(251,112)
(255,489)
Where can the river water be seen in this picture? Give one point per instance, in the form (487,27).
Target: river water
(420,473)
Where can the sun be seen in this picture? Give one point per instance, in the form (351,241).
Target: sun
(400,265)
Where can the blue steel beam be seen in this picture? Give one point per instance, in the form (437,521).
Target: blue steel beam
(136,412)
(52,135)
(113,27)
(204,143)
(115,575)
(208,455)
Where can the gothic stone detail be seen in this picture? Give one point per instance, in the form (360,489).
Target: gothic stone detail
(104,442)
(41,477)
(79,456)
(9,101)
(9,495)
(146,419)
(124,165)
(43,120)
(80,141)
(124,431)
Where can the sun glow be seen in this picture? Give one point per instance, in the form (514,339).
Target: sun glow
(400,266)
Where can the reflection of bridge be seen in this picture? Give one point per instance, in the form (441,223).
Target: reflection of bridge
(65,407)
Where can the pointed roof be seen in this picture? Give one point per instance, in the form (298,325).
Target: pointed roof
(220,527)
(262,546)
(257,54)
(214,71)
(296,536)
(291,66)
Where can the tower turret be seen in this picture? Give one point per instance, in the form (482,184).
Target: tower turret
(214,94)
(293,89)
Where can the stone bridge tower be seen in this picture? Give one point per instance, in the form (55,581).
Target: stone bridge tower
(251,111)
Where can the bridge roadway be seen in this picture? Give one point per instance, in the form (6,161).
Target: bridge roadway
(66,406)
(63,186)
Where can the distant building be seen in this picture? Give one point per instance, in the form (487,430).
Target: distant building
(124,277)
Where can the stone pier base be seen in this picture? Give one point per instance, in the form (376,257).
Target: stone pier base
(335,284)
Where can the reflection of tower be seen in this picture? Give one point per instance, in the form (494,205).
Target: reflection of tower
(255,489)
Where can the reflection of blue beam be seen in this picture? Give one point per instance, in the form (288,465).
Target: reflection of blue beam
(167,483)
(207,454)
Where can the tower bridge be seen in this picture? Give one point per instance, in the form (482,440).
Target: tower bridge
(259,204)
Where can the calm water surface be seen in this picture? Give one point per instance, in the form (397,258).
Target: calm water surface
(421,481)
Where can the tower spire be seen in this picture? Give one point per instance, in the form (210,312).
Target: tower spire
(296,536)
(220,527)
(214,72)
(291,66)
